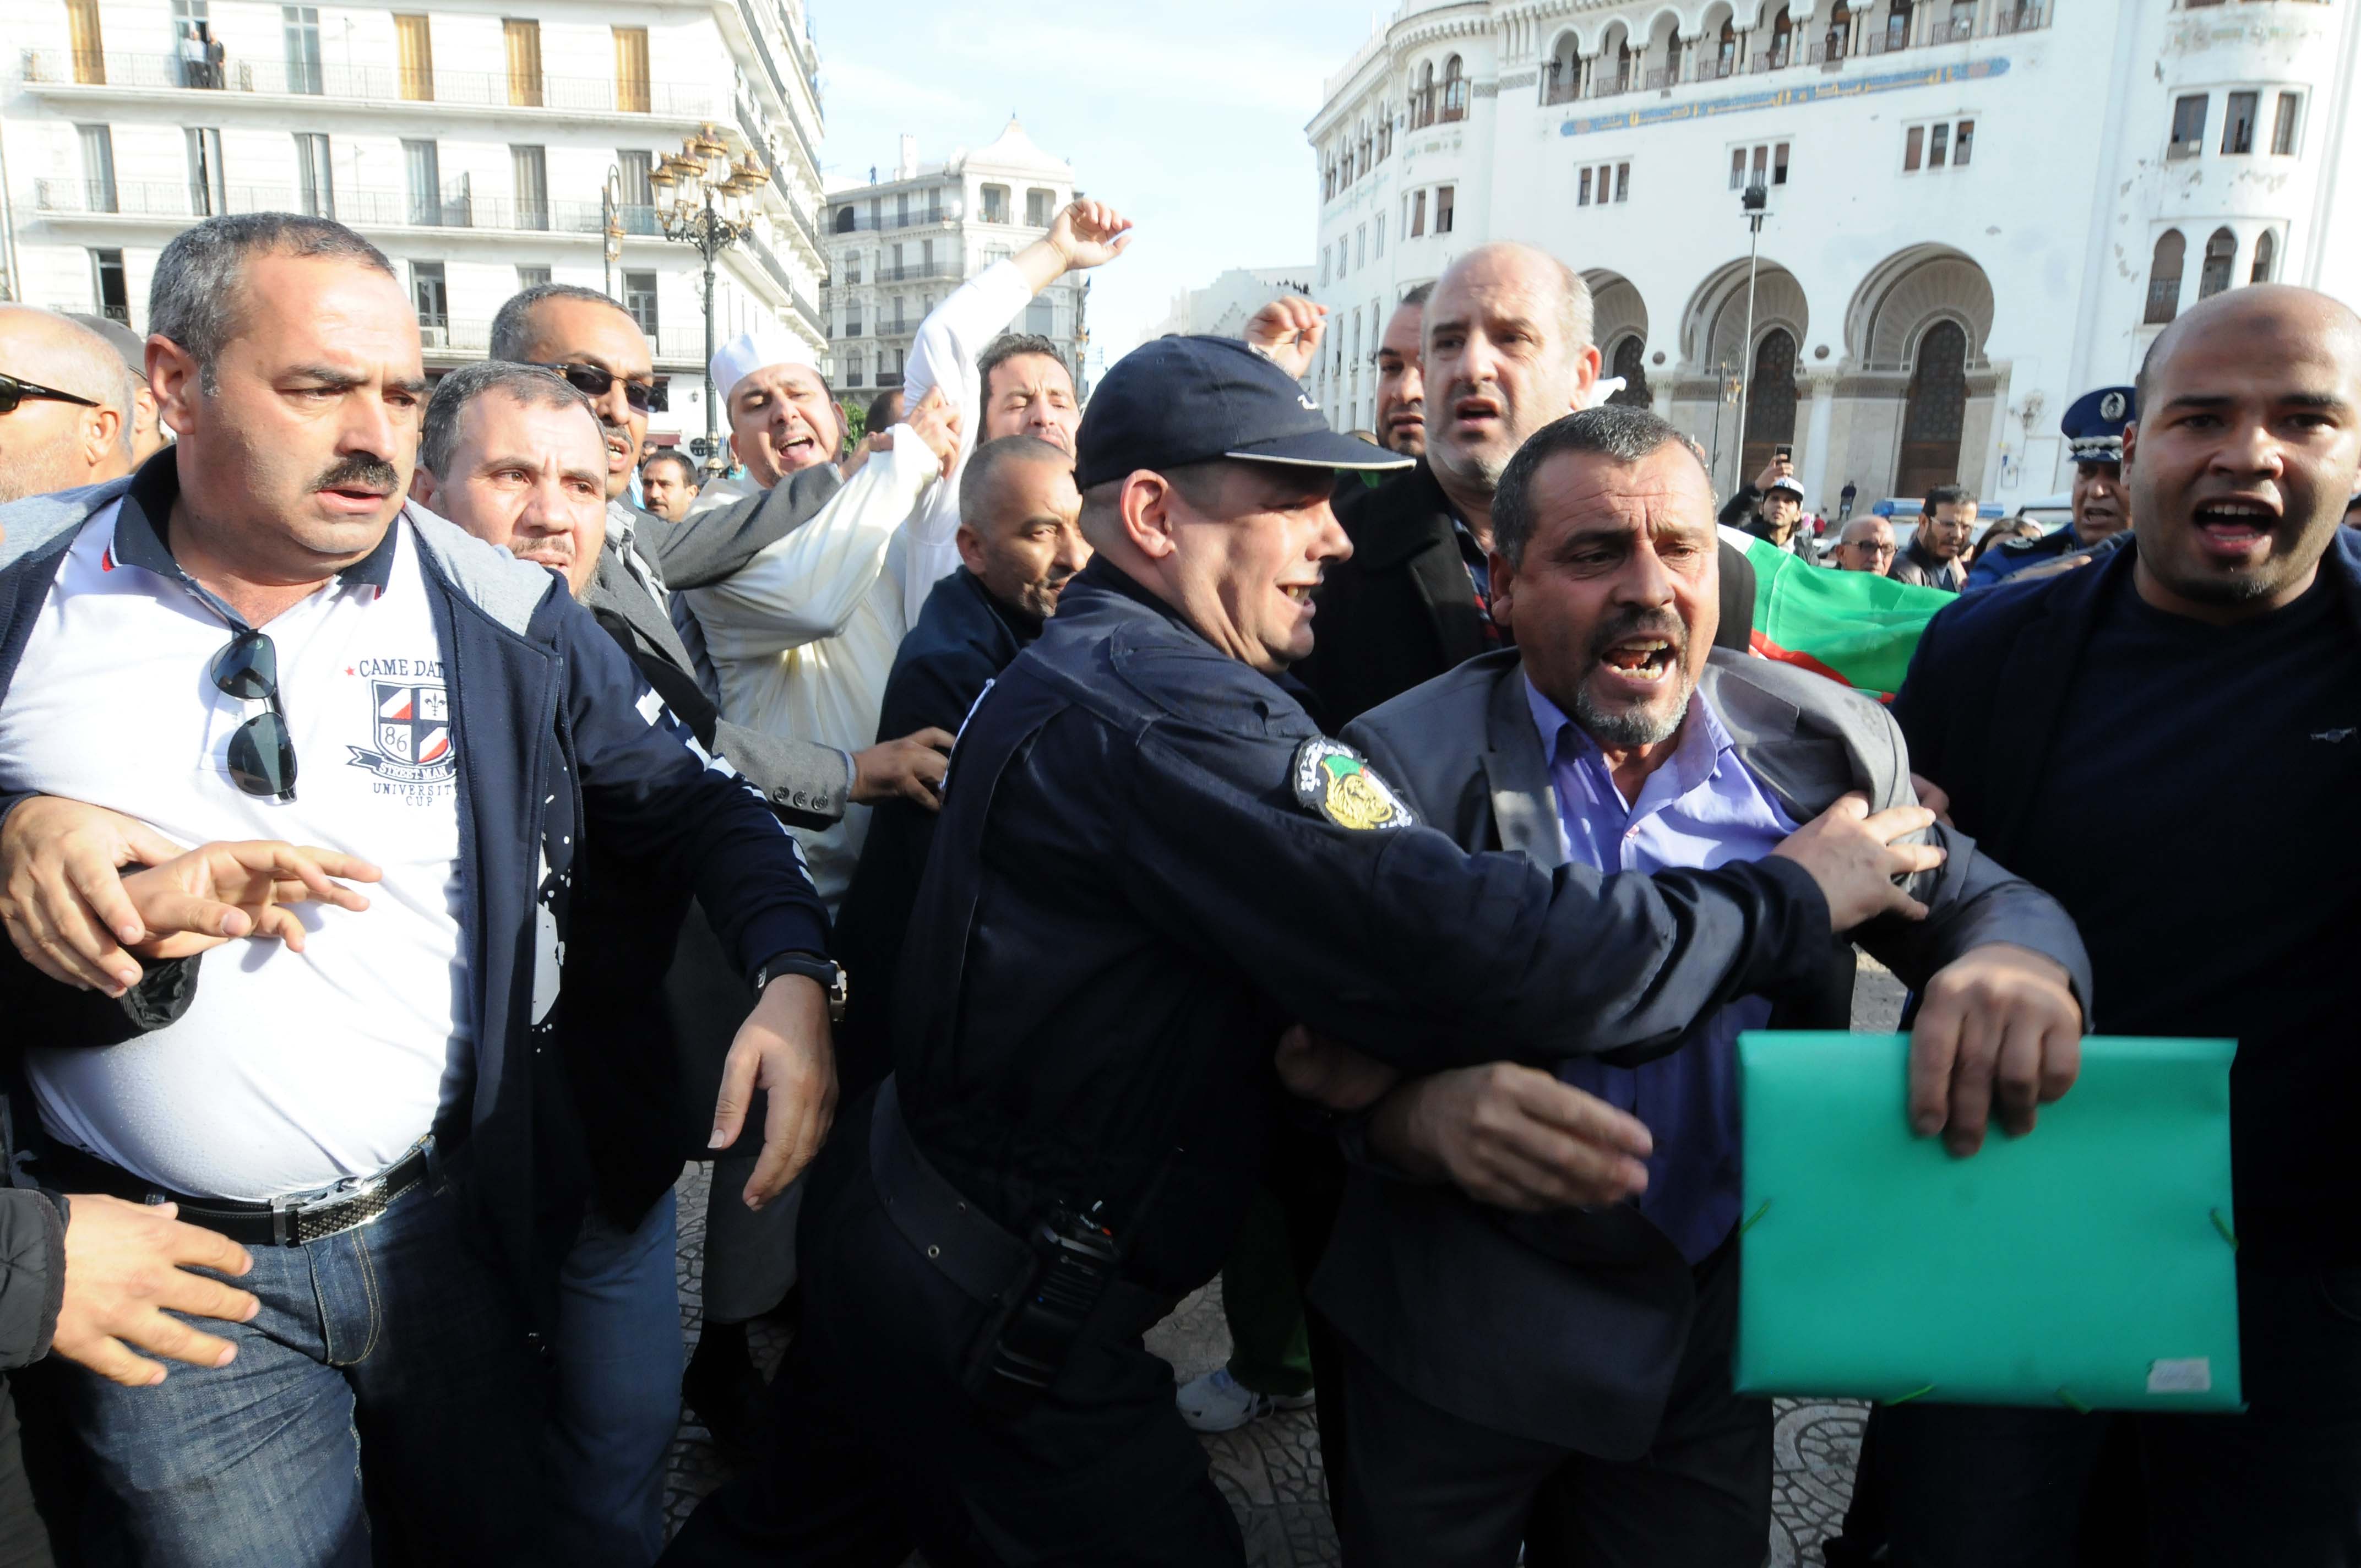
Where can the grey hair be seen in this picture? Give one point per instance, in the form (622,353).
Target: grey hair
(194,298)
(512,324)
(530,385)
(1621,434)
(984,467)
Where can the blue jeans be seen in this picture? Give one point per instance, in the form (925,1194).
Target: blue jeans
(396,1340)
(617,1400)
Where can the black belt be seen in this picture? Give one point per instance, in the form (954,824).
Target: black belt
(292,1221)
(966,1246)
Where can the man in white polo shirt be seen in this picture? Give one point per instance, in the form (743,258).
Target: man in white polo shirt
(255,637)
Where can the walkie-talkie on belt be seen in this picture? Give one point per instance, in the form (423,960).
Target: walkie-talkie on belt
(1074,1261)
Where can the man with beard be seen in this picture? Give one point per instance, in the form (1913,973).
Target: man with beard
(66,405)
(1947,521)
(2212,659)
(1150,861)
(1402,391)
(2093,428)
(1616,736)
(1019,543)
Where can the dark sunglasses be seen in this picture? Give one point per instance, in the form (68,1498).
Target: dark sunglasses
(593,382)
(261,753)
(13,392)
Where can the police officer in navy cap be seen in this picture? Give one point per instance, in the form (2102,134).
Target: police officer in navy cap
(2093,428)
(1149,864)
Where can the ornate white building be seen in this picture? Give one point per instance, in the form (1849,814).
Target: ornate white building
(898,244)
(1975,210)
(472,147)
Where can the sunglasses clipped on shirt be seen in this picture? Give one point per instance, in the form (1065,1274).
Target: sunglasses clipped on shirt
(14,393)
(261,751)
(592,382)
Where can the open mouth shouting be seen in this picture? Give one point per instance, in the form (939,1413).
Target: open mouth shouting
(2236,530)
(1476,414)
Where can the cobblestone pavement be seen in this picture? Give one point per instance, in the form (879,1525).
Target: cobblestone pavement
(1270,1470)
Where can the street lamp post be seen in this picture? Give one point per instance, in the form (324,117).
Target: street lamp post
(1755,204)
(709,210)
(610,222)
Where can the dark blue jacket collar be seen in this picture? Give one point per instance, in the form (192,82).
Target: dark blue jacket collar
(143,525)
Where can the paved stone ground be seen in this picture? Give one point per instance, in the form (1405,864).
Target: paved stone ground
(1270,1470)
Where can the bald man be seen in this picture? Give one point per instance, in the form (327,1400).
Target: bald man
(1866,545)
(1020,540)
(2199,688)
(65,405)
(148,434)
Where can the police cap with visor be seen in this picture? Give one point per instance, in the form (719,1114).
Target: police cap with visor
(1180,400)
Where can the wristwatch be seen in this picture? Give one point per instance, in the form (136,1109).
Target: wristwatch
(811,966)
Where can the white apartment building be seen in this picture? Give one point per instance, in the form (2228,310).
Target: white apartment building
(1222,308)
(473,147)
(897,245)
(1975,210)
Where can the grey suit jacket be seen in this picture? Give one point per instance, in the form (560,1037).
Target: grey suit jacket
(1567,1328)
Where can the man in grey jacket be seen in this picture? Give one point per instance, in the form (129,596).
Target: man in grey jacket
(1536,1275)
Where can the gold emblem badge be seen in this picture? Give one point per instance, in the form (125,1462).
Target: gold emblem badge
(1337,782)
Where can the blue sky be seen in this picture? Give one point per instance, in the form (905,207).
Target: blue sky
(1188,118)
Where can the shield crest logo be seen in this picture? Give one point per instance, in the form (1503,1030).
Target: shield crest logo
(413,722)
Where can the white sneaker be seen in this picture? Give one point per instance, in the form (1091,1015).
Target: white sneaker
(1219,1402)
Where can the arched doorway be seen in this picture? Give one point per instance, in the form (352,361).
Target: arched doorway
(1630,362)
(2220,257)
(1935,412)
(1770,402)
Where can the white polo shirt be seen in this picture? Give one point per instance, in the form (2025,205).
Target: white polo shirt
(289,1070)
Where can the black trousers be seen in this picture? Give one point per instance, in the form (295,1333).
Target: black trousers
(878,1450)
(1307,1175)
(1431,1490)
(1969,1487)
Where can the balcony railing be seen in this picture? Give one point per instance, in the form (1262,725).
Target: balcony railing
(915,270)
(1559,87)
(887,222)
(378,84)
(363,208)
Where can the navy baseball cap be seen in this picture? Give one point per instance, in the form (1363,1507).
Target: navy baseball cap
(1179,401)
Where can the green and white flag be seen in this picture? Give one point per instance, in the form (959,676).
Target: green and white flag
(1852,627)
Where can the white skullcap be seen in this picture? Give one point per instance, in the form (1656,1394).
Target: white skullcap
(757,350)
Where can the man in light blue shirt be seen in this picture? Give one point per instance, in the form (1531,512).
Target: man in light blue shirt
(1535,1272)
(1700,808)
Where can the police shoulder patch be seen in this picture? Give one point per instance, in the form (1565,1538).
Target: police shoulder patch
(1338,783)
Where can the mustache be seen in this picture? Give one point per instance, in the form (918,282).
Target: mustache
(360,471)
(1640,623)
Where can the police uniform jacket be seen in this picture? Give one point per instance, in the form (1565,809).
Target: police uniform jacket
(1129,897)
(964,639)
(1568,1328)
(2010,556)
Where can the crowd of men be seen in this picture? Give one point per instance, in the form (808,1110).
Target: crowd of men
(1043,857)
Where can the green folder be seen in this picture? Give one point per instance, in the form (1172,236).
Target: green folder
(2090,1263)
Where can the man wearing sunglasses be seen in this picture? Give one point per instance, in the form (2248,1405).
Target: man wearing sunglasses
(256,637)
(65,405)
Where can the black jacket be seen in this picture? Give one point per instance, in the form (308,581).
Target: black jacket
(32,1274)
(964,639)
(1401,611)
(1129,897)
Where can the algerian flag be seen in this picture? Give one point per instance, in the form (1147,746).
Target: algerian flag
(1853,627)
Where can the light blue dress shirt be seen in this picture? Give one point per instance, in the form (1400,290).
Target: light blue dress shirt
(1699,809)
